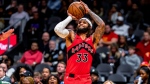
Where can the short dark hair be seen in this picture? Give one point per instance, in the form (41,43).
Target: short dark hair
(62,62)
(37,74)
(131,47)
(47,68)
(58,80)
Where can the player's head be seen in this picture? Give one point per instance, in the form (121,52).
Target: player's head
(84,26)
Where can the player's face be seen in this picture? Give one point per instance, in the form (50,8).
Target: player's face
(52,80)
(83,26)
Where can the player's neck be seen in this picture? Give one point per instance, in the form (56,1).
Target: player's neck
(83,36)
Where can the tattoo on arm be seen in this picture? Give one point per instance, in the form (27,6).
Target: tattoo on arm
(96,18)
(99,29)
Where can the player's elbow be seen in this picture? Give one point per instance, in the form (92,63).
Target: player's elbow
(62,33)
(102,24)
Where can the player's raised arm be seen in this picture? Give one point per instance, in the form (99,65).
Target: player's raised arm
(99,29)
(60,27)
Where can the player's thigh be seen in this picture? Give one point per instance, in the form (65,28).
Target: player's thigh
(85,80)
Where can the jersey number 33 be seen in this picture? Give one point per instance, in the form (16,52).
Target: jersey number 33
(82,57)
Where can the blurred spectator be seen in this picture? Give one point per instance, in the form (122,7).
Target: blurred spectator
(20,69)
(143,46)
(62,12)
(128,6)
(144,74)
(45,12)
(2,22)
(13,79)
(45,75)
(95,76)
(37,77)
(7,60)
(102,13)
(11,8)
(51,56)
(148,29)
(3,59)
(61,68)
(95,6)
(32,10)
(108,82)
(121,28)
(147,57)
(2,12)
(4,66)
(53,79)
(13,5)
(27,80)
(62,45)
(34,29)
(131,59)
(101,54)
(144,5)
(145,64)
(54,5)
(122,44)
(114,56)
(113,14)
(33,56)
(135,16)
(61,56)
(43,45)
(137,74)
(109,36)
(26,74)
(18,15)
(132,39)
(3,77)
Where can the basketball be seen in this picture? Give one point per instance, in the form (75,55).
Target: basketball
(76,9)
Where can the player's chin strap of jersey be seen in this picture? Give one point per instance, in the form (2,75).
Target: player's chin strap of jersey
(60,27)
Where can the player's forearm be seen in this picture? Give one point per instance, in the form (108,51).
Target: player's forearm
(96,18)
(60,27)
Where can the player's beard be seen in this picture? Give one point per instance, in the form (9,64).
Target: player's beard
(83,30)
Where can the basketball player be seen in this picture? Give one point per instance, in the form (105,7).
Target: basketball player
(80,46)
(6,34)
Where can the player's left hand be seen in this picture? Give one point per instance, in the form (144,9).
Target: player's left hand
(5,35)
(85,6)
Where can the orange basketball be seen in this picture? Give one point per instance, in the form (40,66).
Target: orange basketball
(76,9)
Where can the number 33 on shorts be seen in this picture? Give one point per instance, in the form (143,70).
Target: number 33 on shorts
(82,57)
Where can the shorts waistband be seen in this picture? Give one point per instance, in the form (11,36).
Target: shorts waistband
(76,75)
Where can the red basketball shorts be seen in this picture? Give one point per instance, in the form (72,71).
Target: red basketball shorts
(77,79)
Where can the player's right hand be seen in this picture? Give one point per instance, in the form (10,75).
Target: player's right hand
(85,6)
(73,17)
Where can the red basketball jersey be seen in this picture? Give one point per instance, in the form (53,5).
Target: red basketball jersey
(80,56)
